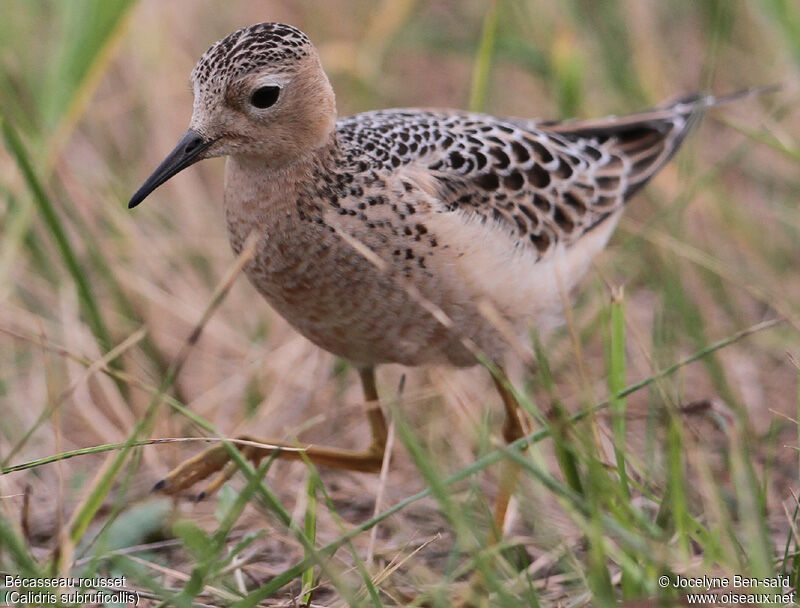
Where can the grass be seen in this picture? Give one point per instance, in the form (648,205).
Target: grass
(664,437)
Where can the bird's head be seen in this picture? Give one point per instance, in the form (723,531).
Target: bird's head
(259,92)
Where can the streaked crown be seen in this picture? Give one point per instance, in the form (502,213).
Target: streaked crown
(248,49)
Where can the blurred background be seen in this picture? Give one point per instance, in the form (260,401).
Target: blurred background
(92,97)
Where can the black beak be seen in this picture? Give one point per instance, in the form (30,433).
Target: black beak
(186,153)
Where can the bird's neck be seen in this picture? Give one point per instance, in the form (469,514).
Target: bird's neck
(264,196)
(253,181)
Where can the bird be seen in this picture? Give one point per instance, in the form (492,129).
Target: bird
(386,236)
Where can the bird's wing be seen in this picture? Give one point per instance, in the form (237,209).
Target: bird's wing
(545,183)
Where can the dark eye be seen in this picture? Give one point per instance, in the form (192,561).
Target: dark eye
(264,97)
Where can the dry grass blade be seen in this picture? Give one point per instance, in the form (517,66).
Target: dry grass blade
(101,363)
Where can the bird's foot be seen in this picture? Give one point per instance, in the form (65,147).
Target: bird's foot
(213,460)
(217,460)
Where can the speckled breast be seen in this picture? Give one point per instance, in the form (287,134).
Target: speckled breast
(340,301)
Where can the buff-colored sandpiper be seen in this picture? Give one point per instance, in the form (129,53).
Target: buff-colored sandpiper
(371,225)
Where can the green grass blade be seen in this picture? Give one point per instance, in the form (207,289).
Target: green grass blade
(616,384)
(372,590)
(676,483)
(45,206)
(483,59)
(87,29)
(433,477)
(786,14)
(567,74)
(10,542)
(310,529)
(751,508)
(606,22)
(599,577)
(16,233)
(558,422)
(209,550)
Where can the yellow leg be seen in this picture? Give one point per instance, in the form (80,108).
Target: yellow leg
(509,475)
(217,460)
(512,430)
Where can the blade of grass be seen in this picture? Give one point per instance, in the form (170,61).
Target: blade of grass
(762,136)
(310,528)
(107,359)
(210,550)
(16,233)
(616,384)
(558,422)
(676,482)
(787,16)
(598,575)
(483,59)
(91,34)
(85,296)
(17,549)
(271,501)
(359,563)
(751,504)
(607,23)
(567,73)
(434,479)
(73,80)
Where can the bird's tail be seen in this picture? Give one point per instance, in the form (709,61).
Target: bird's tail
(645,141)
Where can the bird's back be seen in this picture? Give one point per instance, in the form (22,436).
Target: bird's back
(545,184)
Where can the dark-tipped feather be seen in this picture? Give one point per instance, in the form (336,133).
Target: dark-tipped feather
(649,139)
